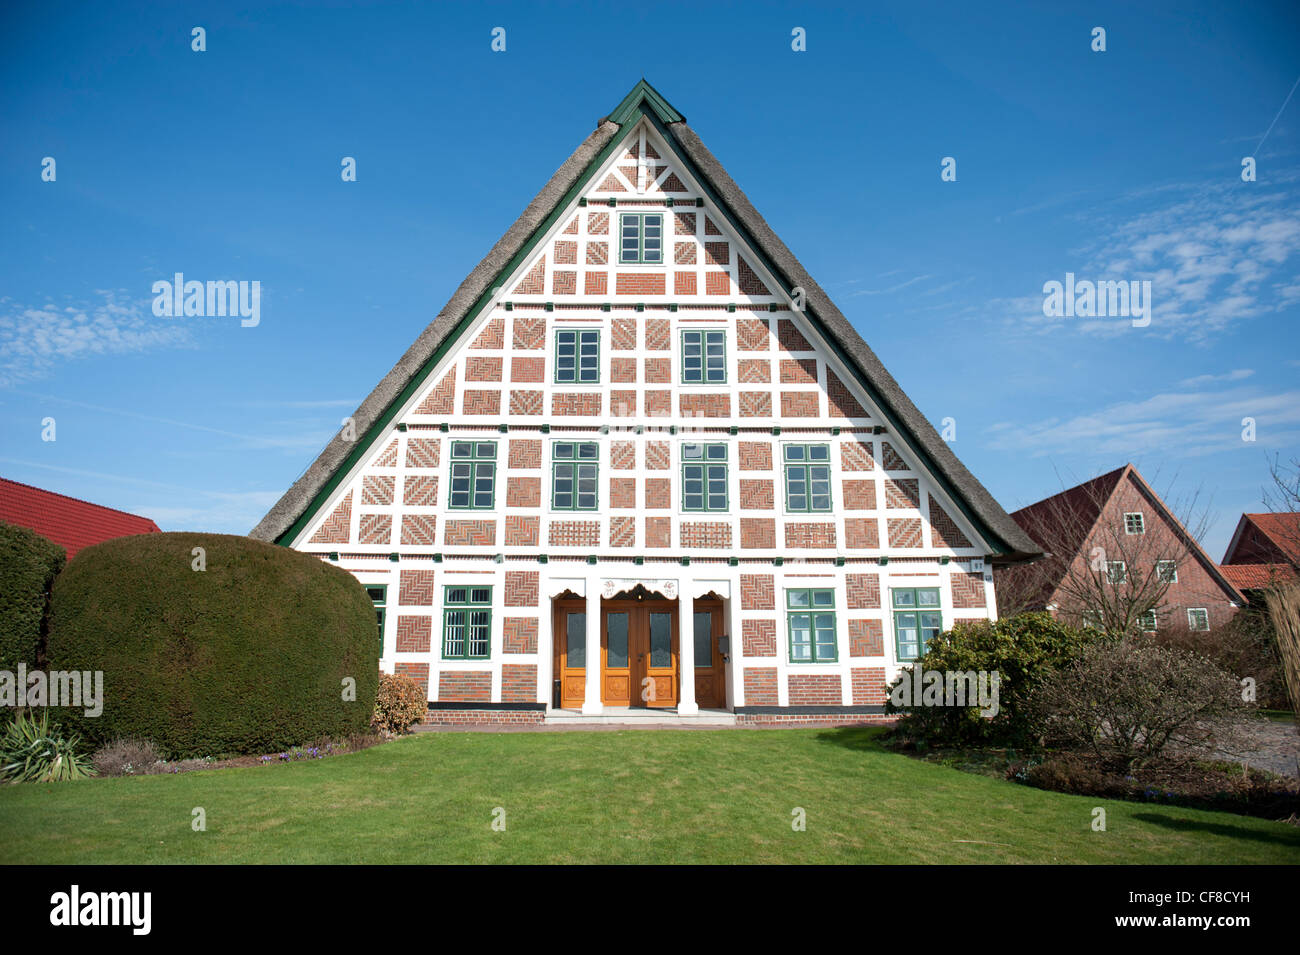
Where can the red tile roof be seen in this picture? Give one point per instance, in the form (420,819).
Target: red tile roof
(67,521)
(1255,576)
(1283,530)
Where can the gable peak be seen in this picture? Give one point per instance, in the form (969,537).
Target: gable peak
(643,98)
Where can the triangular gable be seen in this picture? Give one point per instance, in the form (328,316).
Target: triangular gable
(724,209)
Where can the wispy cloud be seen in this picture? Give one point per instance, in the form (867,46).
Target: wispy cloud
(33,340)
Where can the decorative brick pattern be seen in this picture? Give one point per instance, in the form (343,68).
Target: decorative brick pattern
(658,531)
(576,403)
(711,534)
(658,334)
(420,490)
(572,227)
(622,455)
(748,280)
(482,401)
(483,368)
(525,453)
(710,228)
(523,530)
(862,591)
(519,635)
(893,460)
(658,404)
(465,686)
(752,334)
(338,526)
(758,637)
(684,223)
(658,494)
(695,405)
(869,687)
(754,370)
(755,404)
(905,532)
(622,493)
(809,535)
(574,533)
(717,283)
(757,533)
(902,493)
(798,371)
(564,283)
(944,531)
(968,591)
(414,634)
(790,337)
(566,253)
(422,452)
(814,689)
(755,456)
(684,283)
(757,495)
(622,531)
(859,495)
(527,370)
(377,489)
(861,533)
(757,592)
(534,283)
(469,533)
(442,398)
(622,370)
(622,403)
(760,686)
(419,672)
(684,253)
(716,253)
(866,638)
(622,335)
(597,253)
(595,283)
(415,588)
(388,457)
(518,683)
(658,371)
(523,491)
(375,529)
(657,456)
(841,400)
(521,588)
(420,528)
(800,404)
(639,283)
(856,456)
(529,333)
(493,335)
(598,223)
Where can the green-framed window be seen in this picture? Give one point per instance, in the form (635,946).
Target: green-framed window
(917,619)
(704,356)
(1147,622)
(574,475)
(577,356)
(466,623)
(378,594)
(473,475)
(641,238)
(1116,572)
(810,625)
(807,477)
(1198,618)
(704,477)
(1167,571)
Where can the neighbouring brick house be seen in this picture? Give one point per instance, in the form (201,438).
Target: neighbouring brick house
(1264,550)
(640,458)
(1109,543)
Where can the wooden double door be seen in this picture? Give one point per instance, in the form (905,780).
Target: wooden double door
(640,661)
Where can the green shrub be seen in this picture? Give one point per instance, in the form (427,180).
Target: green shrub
(1020,649)
(28,565)
(400,703)
(34,751)
(248,655)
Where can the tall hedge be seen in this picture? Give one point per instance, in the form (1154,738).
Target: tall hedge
(28,565)
(249,655)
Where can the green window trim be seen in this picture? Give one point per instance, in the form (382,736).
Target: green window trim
(577,356)
(807,478)
(472,484)
(704,356)
(641,238)
(705,478)
(1148,622)
(1195,617)
(918,619)
(378,594)
(466,622)
(811,632)
(577,464)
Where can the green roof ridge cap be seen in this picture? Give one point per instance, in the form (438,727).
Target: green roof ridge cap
(644,94)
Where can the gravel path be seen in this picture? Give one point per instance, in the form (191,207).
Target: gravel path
(1279,748)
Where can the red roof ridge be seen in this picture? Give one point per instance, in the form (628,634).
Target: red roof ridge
(69,497)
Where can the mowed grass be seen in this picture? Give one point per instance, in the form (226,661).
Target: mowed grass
(638,796)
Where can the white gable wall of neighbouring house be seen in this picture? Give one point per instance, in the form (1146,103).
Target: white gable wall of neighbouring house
(629,524)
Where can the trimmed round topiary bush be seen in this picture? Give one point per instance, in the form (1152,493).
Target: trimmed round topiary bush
(254,652)
(28,565)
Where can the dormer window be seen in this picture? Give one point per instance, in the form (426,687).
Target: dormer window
(641,238)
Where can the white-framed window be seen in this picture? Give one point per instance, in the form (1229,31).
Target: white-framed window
(1147,622)
(1198,618)
(1167,571)
(1134,523)
(1116,572)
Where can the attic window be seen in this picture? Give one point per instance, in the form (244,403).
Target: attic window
(1134,523)
(641,238)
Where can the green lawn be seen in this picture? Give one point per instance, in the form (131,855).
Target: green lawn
(639,796)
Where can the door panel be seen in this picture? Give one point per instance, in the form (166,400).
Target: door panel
(639,653)
(659,676)
(570,639)
(617,672)
(710,670)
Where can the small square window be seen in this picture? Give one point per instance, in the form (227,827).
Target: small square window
(704,356)
(1167,570)
(1198,618)
(1116,572)
(1134,523)
(641,238)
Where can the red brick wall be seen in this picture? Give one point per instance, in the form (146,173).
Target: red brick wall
(518,682)
(757,592)
(814,689)
(868,686)
(520,634)
(465,686)
(760,686)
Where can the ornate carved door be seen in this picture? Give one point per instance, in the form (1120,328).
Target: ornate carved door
(569,634)
(638,646)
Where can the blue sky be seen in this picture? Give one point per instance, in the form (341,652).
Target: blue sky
(225,164)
